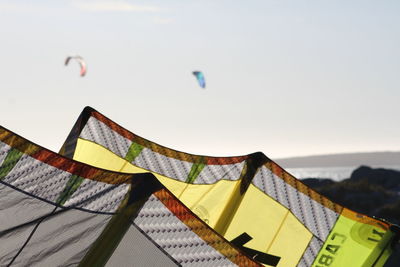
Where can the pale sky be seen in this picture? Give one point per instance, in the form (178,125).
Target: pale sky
(287,78)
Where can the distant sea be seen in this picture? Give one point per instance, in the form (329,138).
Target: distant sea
(334,173)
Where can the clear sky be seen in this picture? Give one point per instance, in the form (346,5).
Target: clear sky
(287,78)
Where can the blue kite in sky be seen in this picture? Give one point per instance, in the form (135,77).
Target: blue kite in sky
(200,78)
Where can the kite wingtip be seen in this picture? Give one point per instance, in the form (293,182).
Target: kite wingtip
(88,109)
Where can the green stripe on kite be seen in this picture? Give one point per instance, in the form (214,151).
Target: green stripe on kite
(73,183)
(133,152)
(195,171)
(13,156)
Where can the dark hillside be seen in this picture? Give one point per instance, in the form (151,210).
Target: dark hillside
(374,192)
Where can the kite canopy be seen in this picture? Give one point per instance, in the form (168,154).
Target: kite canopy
(250,200)
(81,62)
(200,78)
(59,212)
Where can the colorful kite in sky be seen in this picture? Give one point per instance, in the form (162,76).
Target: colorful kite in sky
(81,62)
(200,78)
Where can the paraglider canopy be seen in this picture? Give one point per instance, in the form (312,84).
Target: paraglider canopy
(80,61)
(200,78)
